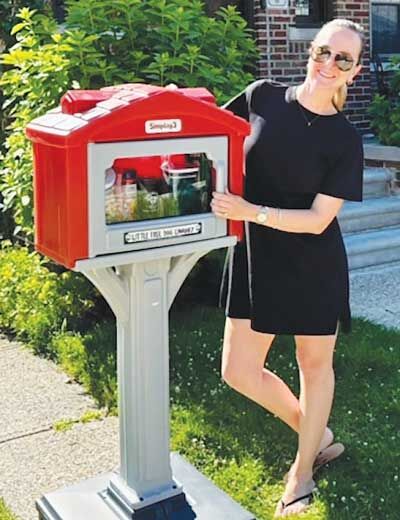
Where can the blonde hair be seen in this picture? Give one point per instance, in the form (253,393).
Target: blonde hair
(340,96)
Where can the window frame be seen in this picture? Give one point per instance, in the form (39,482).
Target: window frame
(385,56)
(324,13)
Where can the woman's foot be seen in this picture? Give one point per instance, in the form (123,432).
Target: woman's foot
(327,452)
(297,496)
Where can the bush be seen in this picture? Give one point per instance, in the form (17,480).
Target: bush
(91,360)
(38,74)
(70,352)
(162,41)
(36,303)
(104,43)
(385,111)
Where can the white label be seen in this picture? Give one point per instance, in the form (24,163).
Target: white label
(160,126)
(277,4)
(159,234)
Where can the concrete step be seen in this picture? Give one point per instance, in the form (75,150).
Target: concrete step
(373,213)
(373,247)
(377,182)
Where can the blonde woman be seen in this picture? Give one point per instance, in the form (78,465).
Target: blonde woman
(290,275)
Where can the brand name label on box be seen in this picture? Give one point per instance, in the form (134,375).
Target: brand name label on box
(132,237)
(159,126)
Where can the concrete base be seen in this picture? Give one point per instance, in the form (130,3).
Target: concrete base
(90,500)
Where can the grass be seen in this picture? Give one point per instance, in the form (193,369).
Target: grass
(64,425)
(245,450)
(5,513)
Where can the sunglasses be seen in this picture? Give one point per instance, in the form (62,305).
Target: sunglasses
(322,53)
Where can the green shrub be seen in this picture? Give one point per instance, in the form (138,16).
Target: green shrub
(90,359)
(36,303)
(38,73)
(9,17)
(71,354)
(107,43)
(385,111)
(160,41)
(5,513)
(101,364)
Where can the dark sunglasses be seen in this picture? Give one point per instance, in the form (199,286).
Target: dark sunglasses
(322,53)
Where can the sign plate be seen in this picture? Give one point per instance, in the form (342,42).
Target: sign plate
(277,4)
(133,237)
(160,126)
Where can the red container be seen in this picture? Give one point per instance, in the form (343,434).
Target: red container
(132,112)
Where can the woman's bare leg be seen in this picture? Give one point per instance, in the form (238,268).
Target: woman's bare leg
(243,359)
(315,358)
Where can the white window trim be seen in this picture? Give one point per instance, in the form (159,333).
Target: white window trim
(386,1)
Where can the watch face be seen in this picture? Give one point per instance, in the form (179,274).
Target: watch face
(261,217)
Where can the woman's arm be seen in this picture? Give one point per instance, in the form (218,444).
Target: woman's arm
(314,220)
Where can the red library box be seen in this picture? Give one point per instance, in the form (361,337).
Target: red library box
(132,167)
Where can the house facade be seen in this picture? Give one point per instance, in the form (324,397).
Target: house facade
(284,29)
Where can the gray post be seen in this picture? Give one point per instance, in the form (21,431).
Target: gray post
(140,288)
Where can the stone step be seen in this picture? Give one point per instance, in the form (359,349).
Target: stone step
(371,214)
(373,247)
(377,182)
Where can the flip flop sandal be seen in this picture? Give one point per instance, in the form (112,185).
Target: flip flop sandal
(325,456)
(309,496)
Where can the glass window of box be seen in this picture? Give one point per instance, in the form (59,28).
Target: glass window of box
(152,187)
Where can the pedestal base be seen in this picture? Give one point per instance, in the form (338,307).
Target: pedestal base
(90,500)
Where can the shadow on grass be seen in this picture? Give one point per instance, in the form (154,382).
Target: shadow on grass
(246,451)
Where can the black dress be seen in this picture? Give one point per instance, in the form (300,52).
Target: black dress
(286,282)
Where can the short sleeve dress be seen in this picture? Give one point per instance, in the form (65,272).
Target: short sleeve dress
(286,282)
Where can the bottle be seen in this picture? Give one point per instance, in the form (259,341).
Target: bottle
(129,194)
(109,196)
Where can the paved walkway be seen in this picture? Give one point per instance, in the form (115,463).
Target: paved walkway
(35,459)
(35,394)
(375,294)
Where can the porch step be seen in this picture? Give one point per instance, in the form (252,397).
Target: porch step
(377,182)
(373,247)
(373,213)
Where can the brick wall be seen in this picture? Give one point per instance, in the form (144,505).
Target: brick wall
(283,57)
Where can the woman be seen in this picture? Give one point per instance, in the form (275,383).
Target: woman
(290,275)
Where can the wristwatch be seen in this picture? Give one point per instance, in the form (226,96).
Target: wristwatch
(262,215)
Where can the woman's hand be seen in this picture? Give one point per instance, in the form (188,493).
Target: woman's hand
(232,207)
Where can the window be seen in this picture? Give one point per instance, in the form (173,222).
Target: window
(312,13)
(386,28)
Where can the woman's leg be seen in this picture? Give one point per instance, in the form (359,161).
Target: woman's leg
(315,359)
(243,358)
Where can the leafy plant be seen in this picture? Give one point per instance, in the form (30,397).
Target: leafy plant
(385,111)
(104,43)
(36,303)
(39,71)
(90,359)
(162,41)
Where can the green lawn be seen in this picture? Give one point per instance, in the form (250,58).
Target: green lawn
(5,514)
(246,451)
